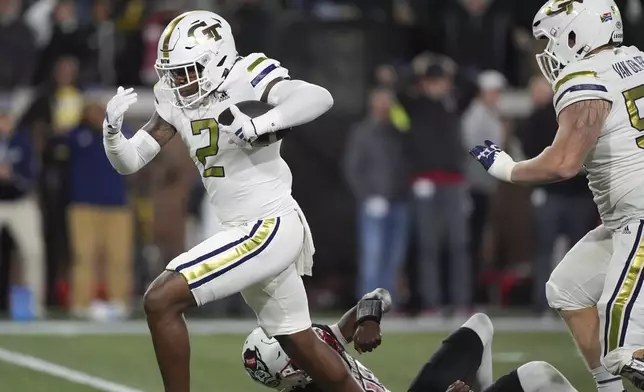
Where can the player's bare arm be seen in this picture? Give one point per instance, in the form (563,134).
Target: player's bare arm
(579,127)
(347,324)
(160,130)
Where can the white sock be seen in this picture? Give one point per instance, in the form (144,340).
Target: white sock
(607,382)
(482,325)
(539,376)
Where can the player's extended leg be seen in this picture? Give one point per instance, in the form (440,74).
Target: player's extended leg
(574,288)
(167,298)
(621,307)
(465,355)
(222,265)
(257,257)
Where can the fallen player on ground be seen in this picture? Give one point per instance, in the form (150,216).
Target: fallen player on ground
(462,362)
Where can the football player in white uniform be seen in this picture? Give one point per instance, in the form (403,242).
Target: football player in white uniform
(466,354)
(599,91)
(265,245)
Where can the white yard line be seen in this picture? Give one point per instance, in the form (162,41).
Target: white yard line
(62,372)
(509,357)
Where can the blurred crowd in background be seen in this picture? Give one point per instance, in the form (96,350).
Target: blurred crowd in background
(392,197)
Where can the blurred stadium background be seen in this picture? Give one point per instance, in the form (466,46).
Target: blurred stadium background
(384,179)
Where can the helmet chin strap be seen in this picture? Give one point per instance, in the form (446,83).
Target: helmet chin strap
(223,79)
(197,102)
(191,104)
(225,73)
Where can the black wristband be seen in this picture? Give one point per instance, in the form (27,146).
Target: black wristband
(369,309)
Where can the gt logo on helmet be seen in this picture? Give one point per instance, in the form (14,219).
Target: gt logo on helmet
(559,6)
(209,32)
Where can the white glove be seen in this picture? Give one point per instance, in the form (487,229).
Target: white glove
(116,108)
(381,294)
(242,131)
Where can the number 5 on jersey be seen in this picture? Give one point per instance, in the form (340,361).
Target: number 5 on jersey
(210,125)
(631,97)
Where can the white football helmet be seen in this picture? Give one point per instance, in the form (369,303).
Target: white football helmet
(195,54)
(574,28)
(267,364)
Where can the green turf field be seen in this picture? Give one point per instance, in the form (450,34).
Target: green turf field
(216,366)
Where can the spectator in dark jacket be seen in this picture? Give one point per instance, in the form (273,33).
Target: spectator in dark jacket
(67,39)
(376,169)
(562,209)
(18,60)
(19,210)
(437,158)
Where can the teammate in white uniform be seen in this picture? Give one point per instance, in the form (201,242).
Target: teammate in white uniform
(599,90)
(265,245)
(466,354)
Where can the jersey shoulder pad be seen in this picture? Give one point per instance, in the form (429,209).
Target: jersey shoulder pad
(263,73)
(579,82)
(162,105)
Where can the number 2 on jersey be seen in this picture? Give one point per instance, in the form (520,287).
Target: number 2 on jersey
(210,125)
(631,97)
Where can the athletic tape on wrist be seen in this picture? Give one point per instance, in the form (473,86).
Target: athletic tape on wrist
(369,309)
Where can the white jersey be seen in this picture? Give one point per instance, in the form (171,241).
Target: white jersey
(615,166)
(243,185)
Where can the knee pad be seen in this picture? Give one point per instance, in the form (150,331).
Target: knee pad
(577,281)
(559,298)
(570,292)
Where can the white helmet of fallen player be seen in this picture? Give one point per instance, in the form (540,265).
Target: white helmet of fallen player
(574,28)
(267,364)
(195,54)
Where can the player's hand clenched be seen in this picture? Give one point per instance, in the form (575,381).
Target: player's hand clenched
(367,336)
(116,108)
(494,160)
